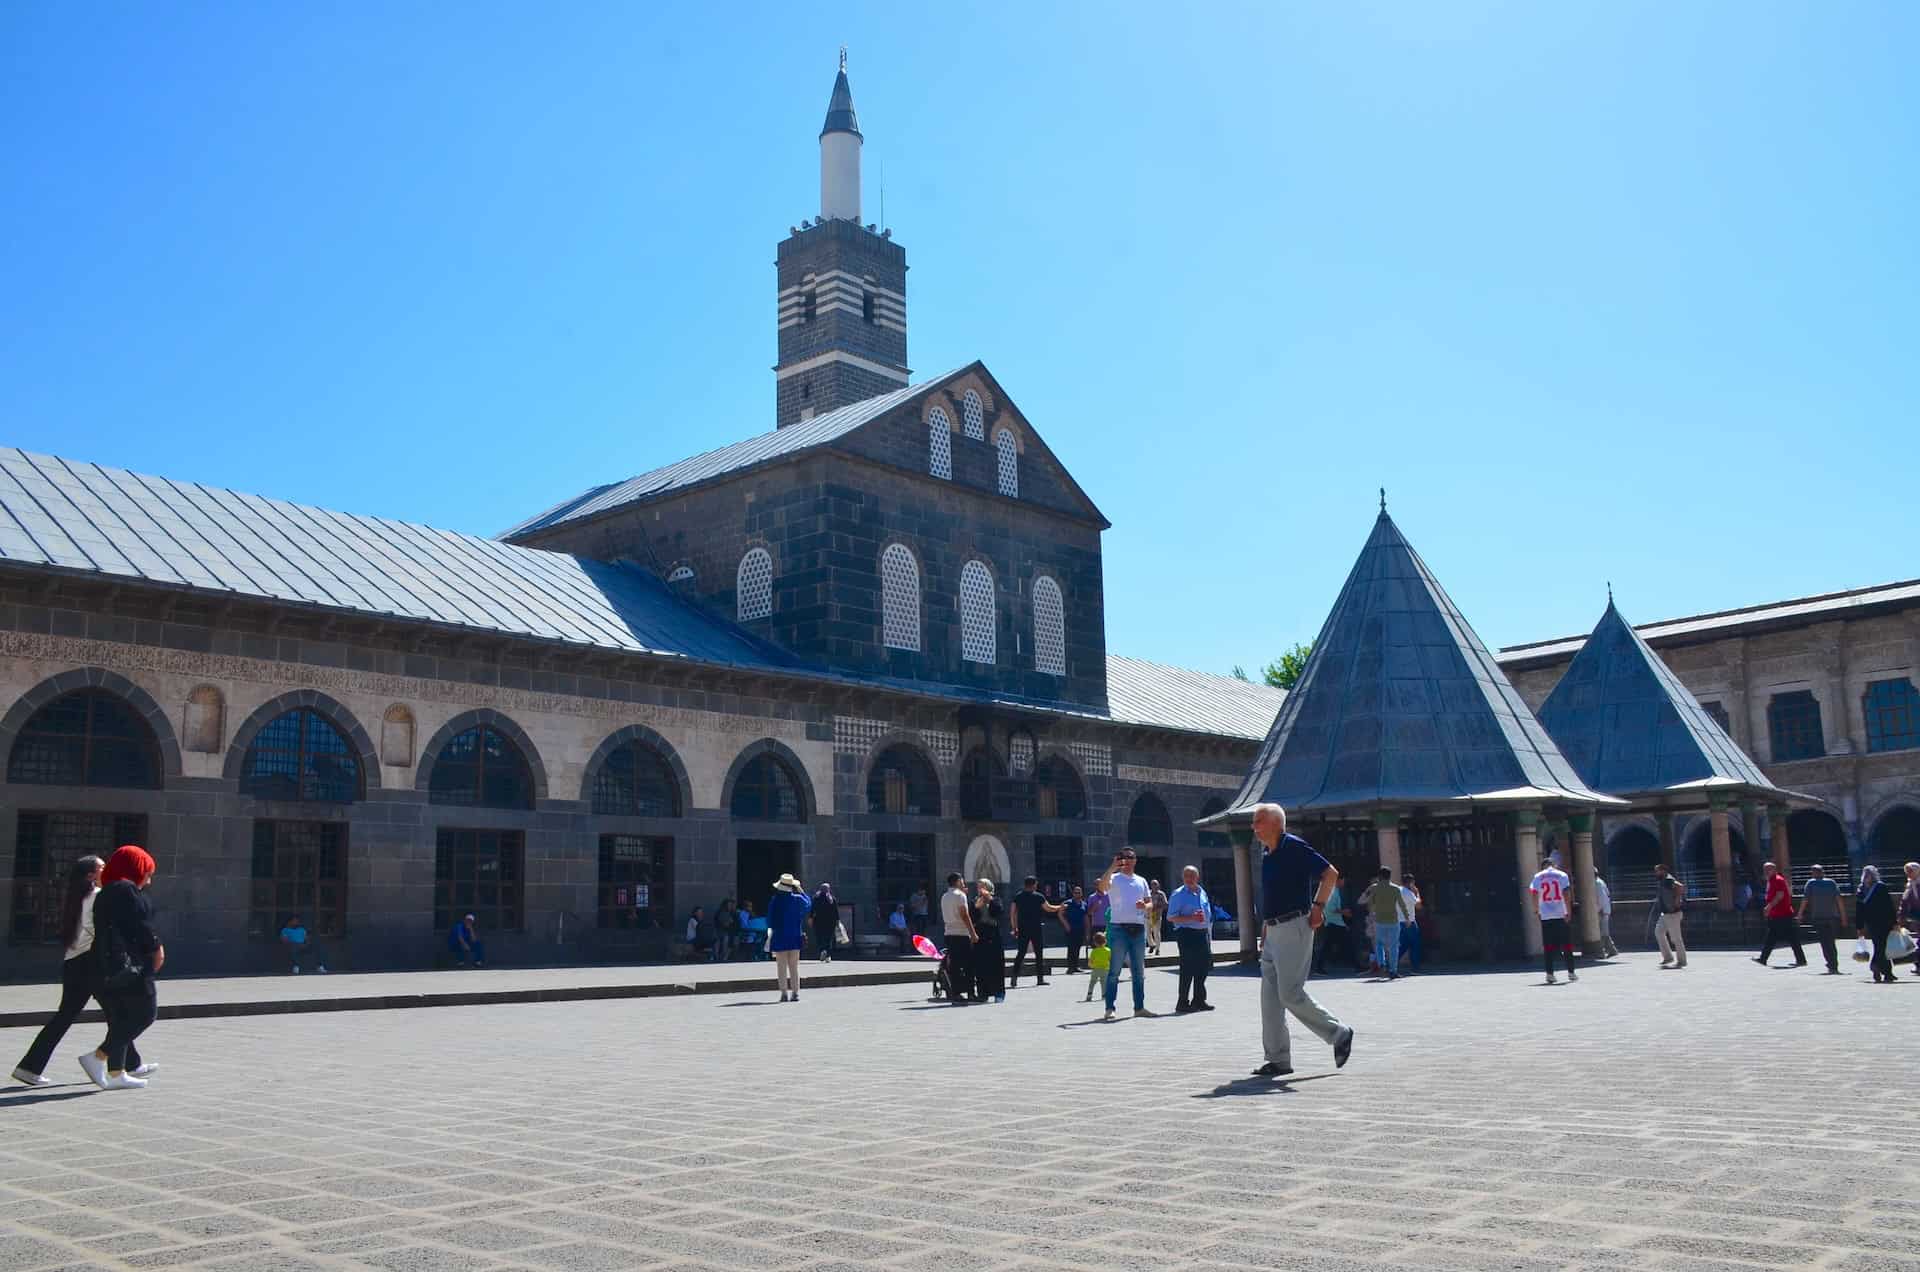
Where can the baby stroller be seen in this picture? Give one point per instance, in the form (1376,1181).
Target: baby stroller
(951,983)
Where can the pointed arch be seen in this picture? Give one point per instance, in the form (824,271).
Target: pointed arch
(628,771)
(475,751)
(141,704)
(359,744)
(762,786)
(1148,823)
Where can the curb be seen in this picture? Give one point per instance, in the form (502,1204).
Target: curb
(497,997)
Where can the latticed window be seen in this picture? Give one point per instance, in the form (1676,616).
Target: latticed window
(1049,628)
(1719,713)
(899,599)
(1020,751)
(636,781)
(681,574)
(481,768)
(299,867)
(939,444)
(1057,791)
(972,417)
(1893,715)
(86,738)
(1148,823)
(1009,463)
(902,782)
(1793,724)
(767,791)
(636,881)
(300,755)
(977,639)
(754,585)
(45,847)
(479,872)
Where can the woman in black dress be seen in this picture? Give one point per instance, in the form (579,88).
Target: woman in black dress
(1873,912)
(826,921)
(130,957)
(989,959)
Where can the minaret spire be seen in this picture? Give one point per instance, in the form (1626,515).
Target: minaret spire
(840,143)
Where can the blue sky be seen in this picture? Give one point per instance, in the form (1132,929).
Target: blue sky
(1598,292)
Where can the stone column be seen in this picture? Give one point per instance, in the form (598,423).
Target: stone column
(1722,853)
(1248,912)
(1782,849)
(1585,889)
(1669,849)
(1526,855)
(1386,839)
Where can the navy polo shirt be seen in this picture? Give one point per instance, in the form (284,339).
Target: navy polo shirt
(1289,876)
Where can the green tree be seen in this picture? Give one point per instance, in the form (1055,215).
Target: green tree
(1285,674)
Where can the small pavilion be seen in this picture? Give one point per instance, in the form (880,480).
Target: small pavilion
(1404,745)
(1633,731)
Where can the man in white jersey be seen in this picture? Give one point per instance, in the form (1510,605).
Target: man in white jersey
(1549,893)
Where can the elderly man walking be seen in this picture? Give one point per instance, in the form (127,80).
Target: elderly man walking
(1295,882)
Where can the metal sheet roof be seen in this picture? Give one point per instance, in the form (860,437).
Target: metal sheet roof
(1140,692)
(1629,726)
(761,449)
(1401,703)
(86,517)
(1805,609)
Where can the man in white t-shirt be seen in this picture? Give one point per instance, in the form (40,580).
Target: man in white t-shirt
(956,920)
(1549,893)
(1131,904)
(1603,901)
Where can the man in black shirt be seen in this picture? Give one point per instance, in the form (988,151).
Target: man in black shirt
(1295,882)
(1030,911)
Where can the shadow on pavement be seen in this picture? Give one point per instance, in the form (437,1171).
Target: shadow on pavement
(34,1095)
(1257,1086)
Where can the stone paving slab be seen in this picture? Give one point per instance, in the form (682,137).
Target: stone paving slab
(1717,1119)
(200,997)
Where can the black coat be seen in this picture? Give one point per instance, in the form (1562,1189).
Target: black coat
(123,924)
(1875,912)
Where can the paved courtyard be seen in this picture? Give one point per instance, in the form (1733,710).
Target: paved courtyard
(1725,1117)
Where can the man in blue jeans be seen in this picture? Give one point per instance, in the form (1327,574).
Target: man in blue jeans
(1129,898)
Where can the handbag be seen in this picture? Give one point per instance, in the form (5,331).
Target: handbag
(118,972)
(1899,945)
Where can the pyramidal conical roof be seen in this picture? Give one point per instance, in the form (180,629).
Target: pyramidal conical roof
(1631,728)
(1400,703)
(840,116)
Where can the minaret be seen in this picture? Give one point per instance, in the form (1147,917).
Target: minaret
(842,288)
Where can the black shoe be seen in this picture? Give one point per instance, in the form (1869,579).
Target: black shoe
(1272,1070)
(1761,961)
(1203,1006)
(1040,982)
(1342,1049)
(1181,1009)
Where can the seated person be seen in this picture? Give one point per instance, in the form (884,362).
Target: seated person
(300,946)
(699,931)
(897,924)
(755,929)
(464,943)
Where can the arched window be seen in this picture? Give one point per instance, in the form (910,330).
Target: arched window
(939,444)
(1057,790)
(754,585)
(767,791)
(972,416)
(901,782)
(1009,463)
(1793,725)
(636,781)
(1049,628)
(86,738)
(899,599)
(680,574)
(1148,824)
(978,642)
(1893,715)
(300,755)
(481,768)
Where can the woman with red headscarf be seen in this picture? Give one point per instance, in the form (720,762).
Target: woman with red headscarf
(130,956)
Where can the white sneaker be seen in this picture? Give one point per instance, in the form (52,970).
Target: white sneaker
(146,1069)
(124,1082)
(96,1069)
(322,969)
(1552,981)
(296,969)
(25,1078)
(1107,1017)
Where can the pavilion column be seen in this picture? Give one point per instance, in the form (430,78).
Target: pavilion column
(1386,840)
(1526,855)
(1248,912)
(1782,849)
(1669,849)
(1585,888)
(1722,853)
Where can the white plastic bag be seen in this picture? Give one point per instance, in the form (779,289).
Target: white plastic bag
(1899,945)
(1862,950)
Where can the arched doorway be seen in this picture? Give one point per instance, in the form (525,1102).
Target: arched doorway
(1816,838)
(1695,866)
(1631,856)
(1150,835)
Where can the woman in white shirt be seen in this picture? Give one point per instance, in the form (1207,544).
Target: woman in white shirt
(77,974)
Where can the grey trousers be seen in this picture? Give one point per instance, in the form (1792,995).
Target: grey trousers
(1285,959)
(1672,944)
